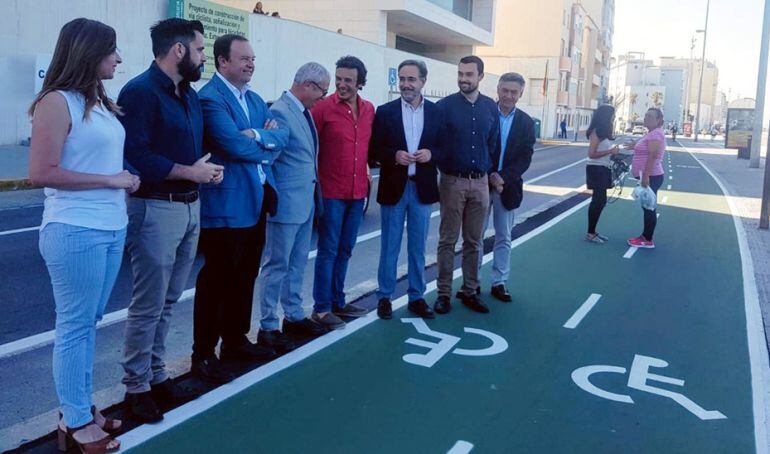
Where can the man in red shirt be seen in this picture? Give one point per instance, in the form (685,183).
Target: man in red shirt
(344,123)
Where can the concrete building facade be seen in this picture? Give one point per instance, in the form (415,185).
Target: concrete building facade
(281,46)
(441,29)
(571,41)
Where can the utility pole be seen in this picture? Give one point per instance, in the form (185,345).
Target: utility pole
(702,63)
(689,84)
(764,215)
(756,135)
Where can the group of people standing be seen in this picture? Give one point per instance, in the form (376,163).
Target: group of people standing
(169,172)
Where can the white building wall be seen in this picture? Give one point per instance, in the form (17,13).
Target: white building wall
(27,32)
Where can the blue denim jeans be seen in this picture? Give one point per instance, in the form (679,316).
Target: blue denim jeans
(337,232)
(83,264)
(417,217)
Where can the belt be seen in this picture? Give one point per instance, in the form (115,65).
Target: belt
(469,175)
(184,197)
(413,177)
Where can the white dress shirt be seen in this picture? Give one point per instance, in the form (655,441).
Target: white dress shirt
(240,95)
(414,120)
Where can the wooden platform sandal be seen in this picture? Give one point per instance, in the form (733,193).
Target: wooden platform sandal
(90,439)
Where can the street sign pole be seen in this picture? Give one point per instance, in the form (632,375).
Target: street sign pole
(756,142)
(702,64)
(764,215)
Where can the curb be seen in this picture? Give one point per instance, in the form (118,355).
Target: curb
(16,184)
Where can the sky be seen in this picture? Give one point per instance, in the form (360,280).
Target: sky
(663,28)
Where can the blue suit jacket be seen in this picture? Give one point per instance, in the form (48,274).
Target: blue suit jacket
(237,201)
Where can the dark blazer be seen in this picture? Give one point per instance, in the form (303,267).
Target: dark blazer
(388,137)
(518,156)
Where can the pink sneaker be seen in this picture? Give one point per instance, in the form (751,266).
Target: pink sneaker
(641,242)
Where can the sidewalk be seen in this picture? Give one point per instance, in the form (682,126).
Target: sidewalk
(744,185)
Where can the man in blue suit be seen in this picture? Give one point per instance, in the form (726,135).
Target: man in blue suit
(242,135)
(289,231)
(404,140)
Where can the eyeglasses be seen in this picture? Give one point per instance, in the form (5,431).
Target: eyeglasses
(325,92)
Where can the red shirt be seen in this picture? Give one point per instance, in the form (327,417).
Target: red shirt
(343,147)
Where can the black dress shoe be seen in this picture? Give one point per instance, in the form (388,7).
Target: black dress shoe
(474,303)
(442,305)
(247,352)
(211,371)
(169,394)
(303,328)
(141,407)
(499,292)
(420,308)
(276,340)
(459,294)
(385,309)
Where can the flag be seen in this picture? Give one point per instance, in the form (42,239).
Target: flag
(545,79)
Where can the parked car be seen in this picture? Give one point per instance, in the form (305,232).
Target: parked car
(639,129)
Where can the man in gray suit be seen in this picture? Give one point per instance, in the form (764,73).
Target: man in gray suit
(290,229)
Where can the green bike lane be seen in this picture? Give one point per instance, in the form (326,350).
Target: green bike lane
(383,386)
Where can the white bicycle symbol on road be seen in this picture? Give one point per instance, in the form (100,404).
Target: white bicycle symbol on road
(638,378)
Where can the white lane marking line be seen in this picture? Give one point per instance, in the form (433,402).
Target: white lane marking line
(39,340)
(670,177)
(755,331)
(630,252)
(26,229)
(461,447)
(665,199)
(45,338)
(191,409)
(582,311)
(668,188)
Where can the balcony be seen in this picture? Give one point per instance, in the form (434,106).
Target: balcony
(594,104)
(562,98)
(597,81)
(598,55)
(565,64)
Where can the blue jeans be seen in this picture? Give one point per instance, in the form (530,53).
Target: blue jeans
(83,264)
(337,232)
(502,219)
(417,217)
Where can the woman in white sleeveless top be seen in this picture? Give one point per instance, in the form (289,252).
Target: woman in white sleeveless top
(598,174)
(77,154)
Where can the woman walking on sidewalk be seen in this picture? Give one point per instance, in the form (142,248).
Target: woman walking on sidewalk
(77,154)
(598,174)
(648,166)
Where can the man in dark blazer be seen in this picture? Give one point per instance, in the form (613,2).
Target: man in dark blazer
(404,139)
(511,159)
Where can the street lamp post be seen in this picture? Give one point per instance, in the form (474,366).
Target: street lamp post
(756,142)
(686,116)
(702,63)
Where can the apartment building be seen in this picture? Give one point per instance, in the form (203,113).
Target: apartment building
(563,49)
(441,29)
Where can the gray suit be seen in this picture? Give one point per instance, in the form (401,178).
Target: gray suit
(289,231)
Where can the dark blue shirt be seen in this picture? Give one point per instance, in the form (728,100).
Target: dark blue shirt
(469,134)
(161,129)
